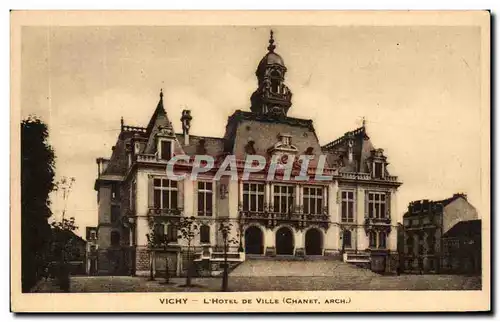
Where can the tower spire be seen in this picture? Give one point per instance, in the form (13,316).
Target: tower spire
(161,94)
(272,97)
(271,46)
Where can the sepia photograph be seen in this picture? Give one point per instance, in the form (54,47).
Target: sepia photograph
(247,161)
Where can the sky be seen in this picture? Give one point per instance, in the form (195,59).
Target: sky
(417,87)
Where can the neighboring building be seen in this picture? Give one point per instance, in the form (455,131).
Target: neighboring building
(92,246)
(425,223)
(74,250)
(462,248)
(355,212)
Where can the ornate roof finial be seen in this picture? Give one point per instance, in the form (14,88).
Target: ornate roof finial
(161,93)
(121,123)
(271,46)
(364,122)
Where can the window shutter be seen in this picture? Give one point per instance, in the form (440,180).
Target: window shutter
(195,197)
(388,205)
(150,192)
(366,204)
(180,194)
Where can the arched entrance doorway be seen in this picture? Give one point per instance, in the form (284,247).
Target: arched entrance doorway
(314,242)
(284,241)
(254,241)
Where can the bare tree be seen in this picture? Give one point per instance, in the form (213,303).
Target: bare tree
(63,234)
(227,240)
(158,239)
(188,228)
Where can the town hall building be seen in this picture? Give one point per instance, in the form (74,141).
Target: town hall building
(351,217)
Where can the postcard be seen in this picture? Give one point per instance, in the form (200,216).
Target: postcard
(250,161)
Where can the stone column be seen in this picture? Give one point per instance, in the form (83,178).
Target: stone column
(271,202)
(240,193)
(298,194)
(266,195)
(299,239)
(269,242)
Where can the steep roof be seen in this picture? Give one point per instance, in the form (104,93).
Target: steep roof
(337,151)
(464,229)
(432,204)
(264,130)
(118,163)
(159,120)
(201,145)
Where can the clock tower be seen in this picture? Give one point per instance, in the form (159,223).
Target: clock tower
(272,97)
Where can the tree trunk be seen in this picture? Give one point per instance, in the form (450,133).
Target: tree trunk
(151,265)
(225,274)
(167,274)
(188,273)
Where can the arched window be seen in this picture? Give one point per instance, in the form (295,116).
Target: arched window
(275,81)
(373,239)
(347,239)
(115,238)
(205,234)
(382,239)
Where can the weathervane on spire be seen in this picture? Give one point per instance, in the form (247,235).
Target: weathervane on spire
(161,93)
(271,46)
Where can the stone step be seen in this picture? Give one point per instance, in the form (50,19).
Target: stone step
(284,267)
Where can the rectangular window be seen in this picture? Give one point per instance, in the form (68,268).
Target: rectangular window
(253,197)
(347,239)
(373,239)
(382,240)
(165,194)
(409,244)
(347,206)
(376,205)
(132,195)
(313,200)
(172,233)
(378,170)
(115,191)
(115,213)
(165,150)
(205,201)
(205,234)
(283,198)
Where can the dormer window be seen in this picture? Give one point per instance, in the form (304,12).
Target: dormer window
(286,139)
(378,163)
(378,170)
(165,149)
(250,147)
(115,191)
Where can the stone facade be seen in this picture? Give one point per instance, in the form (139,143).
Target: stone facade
(353,212)
(424,225)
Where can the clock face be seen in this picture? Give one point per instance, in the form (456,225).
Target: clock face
(283,159)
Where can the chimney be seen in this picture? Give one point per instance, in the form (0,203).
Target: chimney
(186,125)
(350,146)
(102,165)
